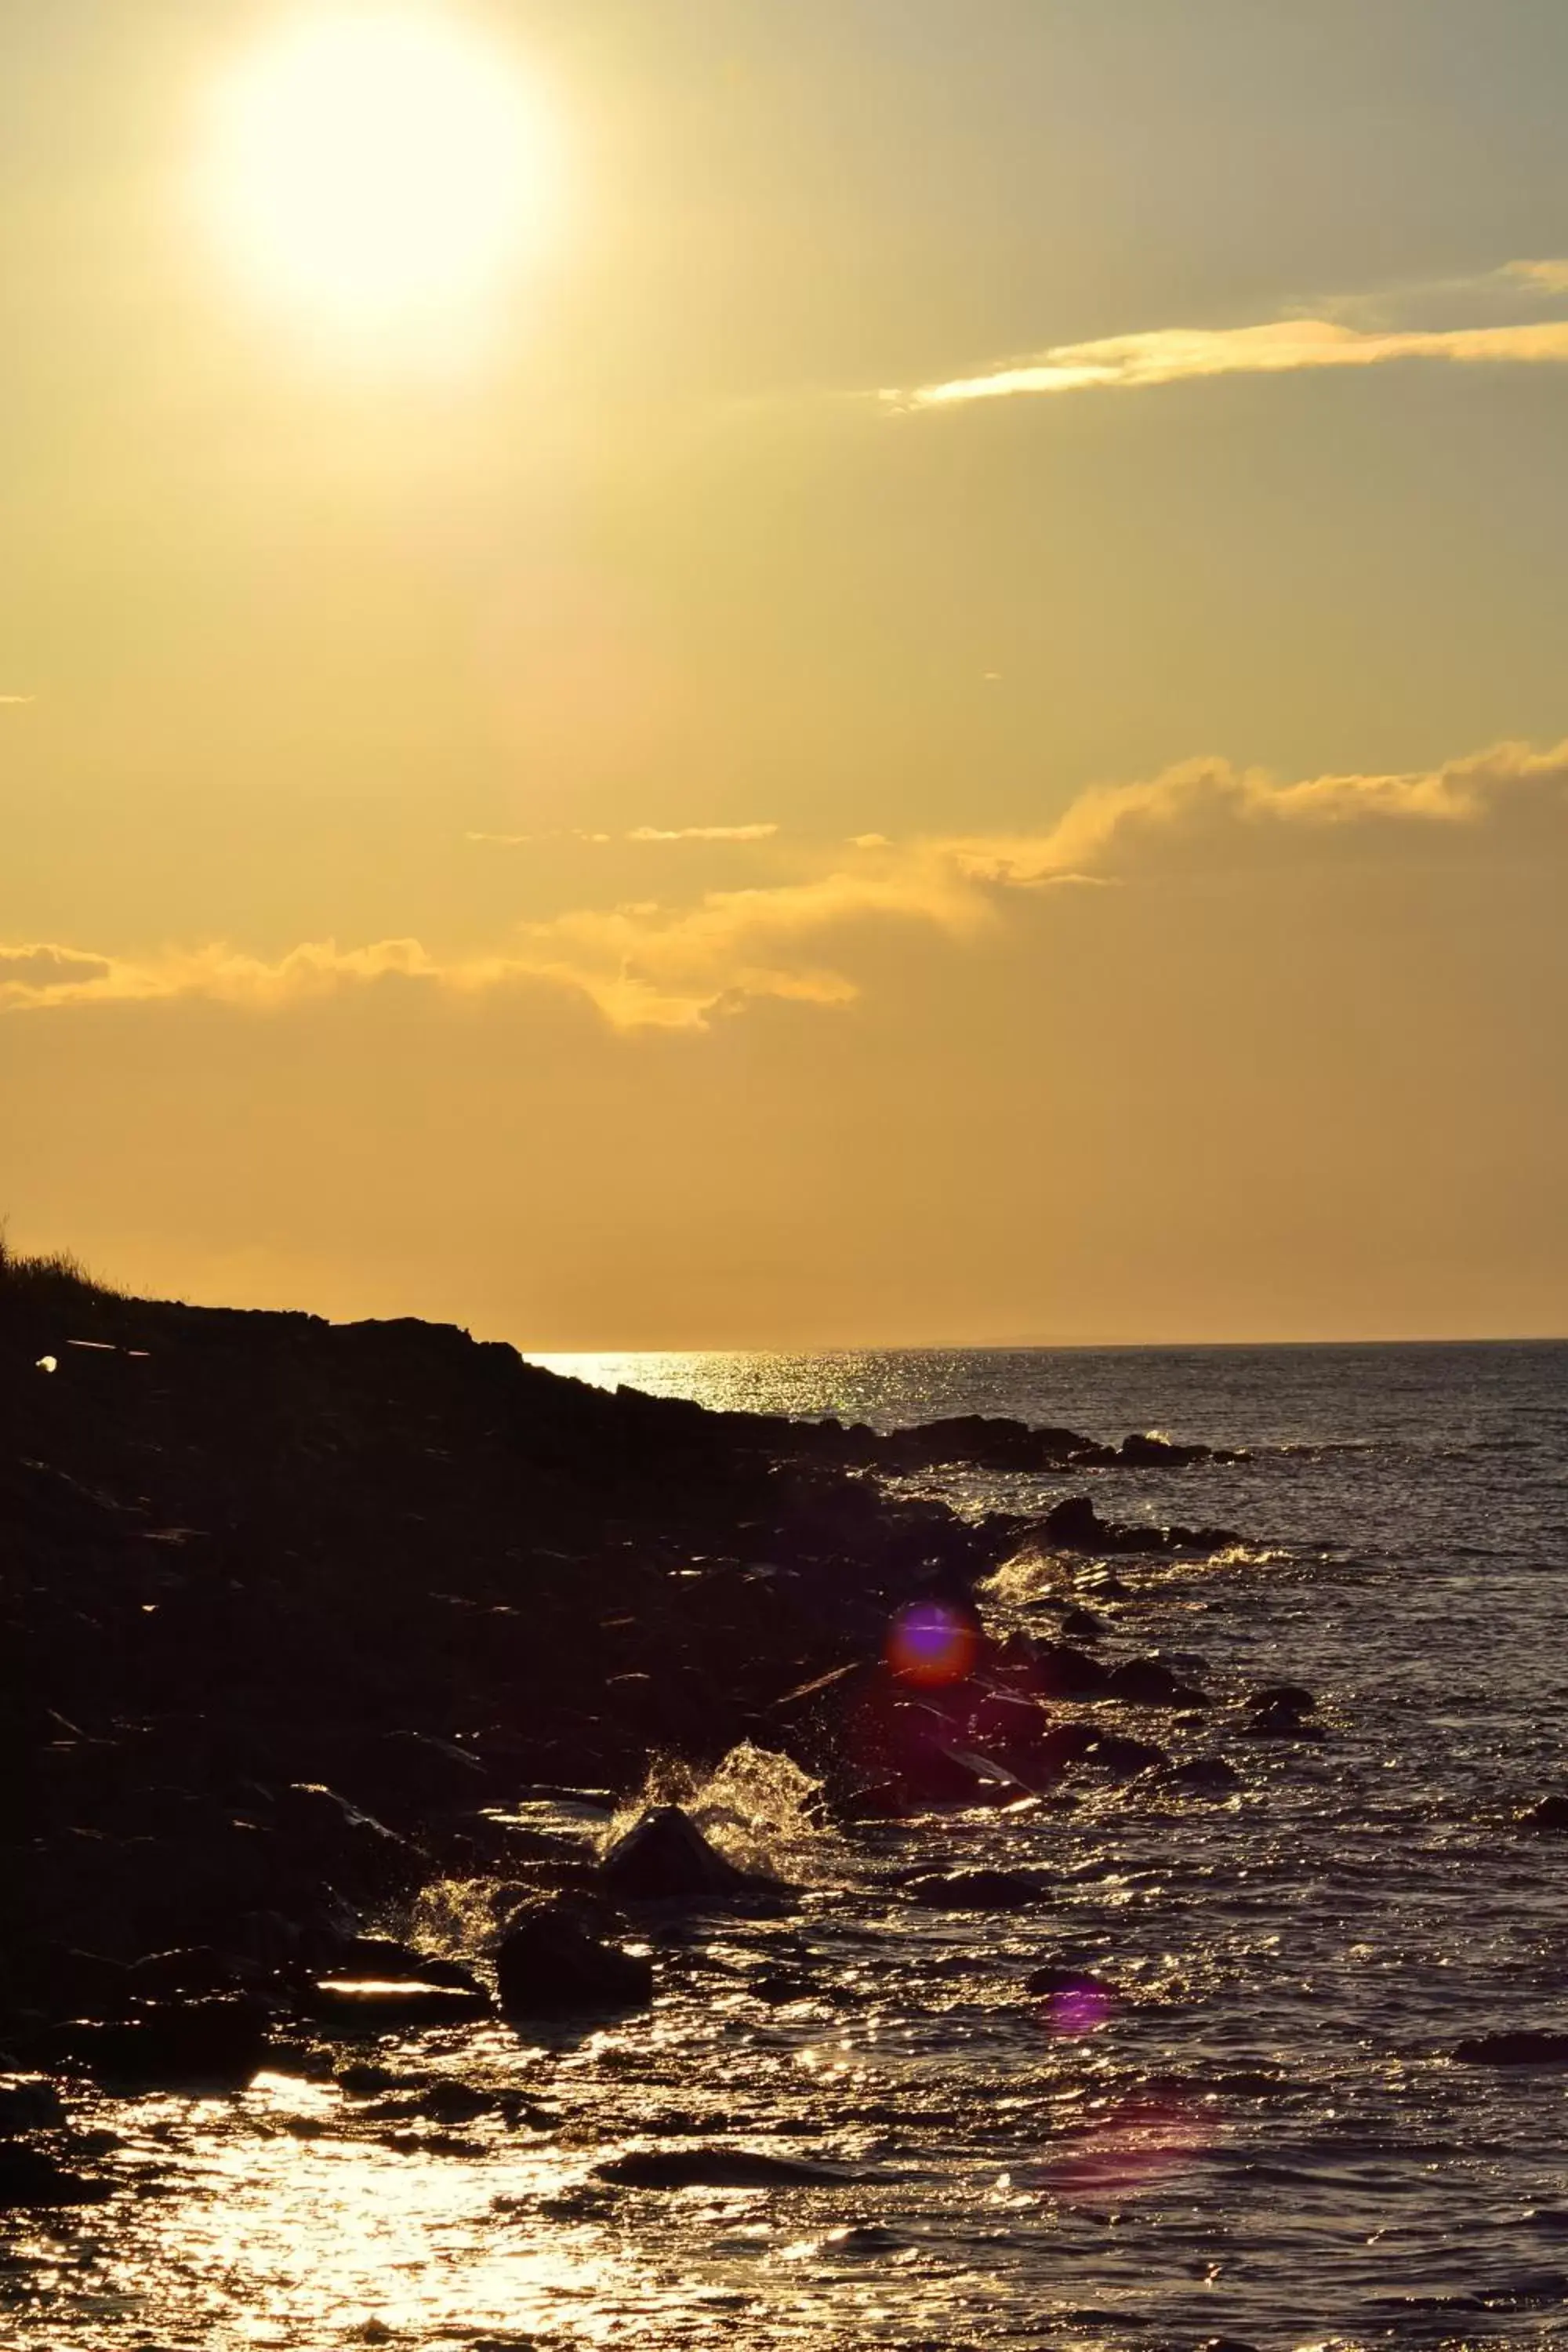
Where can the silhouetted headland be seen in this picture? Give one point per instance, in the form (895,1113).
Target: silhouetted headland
(299,1609)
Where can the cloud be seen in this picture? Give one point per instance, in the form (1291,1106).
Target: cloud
(1280,346)
(15,701)
(47,966)
(645,965)
(704,832)
(642,832)
(1552,276)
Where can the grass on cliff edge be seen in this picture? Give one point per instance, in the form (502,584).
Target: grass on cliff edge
(48,1276)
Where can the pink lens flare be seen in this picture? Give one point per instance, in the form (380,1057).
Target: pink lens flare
(932,1644)
(1141,2142)
(1078,2009)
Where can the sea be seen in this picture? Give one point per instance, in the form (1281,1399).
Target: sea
(1258,2131)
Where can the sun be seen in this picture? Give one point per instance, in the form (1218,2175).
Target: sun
(385,171)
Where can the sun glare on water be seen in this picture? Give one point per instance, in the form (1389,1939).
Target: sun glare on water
(387,173)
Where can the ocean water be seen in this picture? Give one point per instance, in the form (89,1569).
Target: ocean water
(1261,2134)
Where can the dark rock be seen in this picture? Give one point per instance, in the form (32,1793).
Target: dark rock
(779,1987)
(1046,1983)
(171,2045)
(1143,1450)
(715,2168)
(1282,1723)
(371,2005)
(665,1858)
(193,1969)
(29,2177)
(1522,2048)
(381,1956)
(548,1964)
(980,1890)
(1202,1776)
(1285,1698)
(29,2103)
(1062,1671)
(1075,1523)
(1113,1752)
(1076,1526)
(1082,1625)
(1549,1816)
(1064,1743)
(336,1841)
(1144,1682)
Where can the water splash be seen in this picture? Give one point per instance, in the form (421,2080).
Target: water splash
(758,1808)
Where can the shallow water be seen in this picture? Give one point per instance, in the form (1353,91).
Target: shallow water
(1262,2137)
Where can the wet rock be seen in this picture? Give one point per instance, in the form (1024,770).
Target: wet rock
(30,2177)
(1046,1983)
(1064,1743)
(1283,1698)
(1282,1723)
(371,2005)
(1523,2047)
(665,1858)
(1114,1752)
(29,2103)
(171,2045)
(1549,1816)
(980,1890)
(190,1969)
(548,1964)
(716,2168)
(1060,1670)
(334,1842)
(779,1987)
(382,1955)
(1075,1525)
(1201,1776)
(1143,1450)
(1144,1682)
(1082,1625)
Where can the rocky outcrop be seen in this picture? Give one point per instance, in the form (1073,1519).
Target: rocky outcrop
(1074,1525)
(665,1858)
(550,1963)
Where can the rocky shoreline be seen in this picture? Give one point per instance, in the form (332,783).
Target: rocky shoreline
(299,1613)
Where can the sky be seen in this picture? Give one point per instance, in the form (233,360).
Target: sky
(934,710)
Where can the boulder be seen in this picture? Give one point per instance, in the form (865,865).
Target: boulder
(1201,1776)
(372,2004)
(29,2177)
(1282,1723)
(1049,1982)
(1549,1816)
(29,2103)
(1523,2047)
(980,1890)
(665,1858)
(1285,1698)
(194,2045)
(715,2168)
(1144,1682)
(548,1964)
(1114,1752)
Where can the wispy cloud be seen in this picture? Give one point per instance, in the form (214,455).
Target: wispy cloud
(646,965)
(642,832)
(15,701)
(1278,347)
(1552,276)
(703,832)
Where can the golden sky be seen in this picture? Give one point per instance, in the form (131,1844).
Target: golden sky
(845,672)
